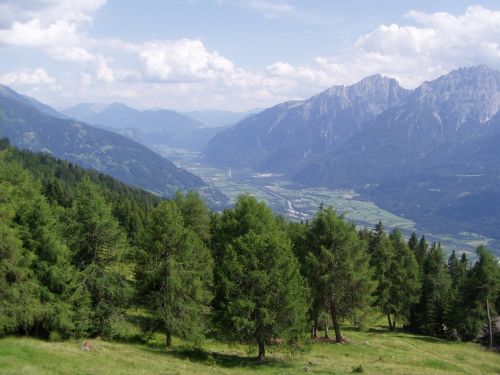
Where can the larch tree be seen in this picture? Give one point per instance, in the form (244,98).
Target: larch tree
(261,294)
(338,268)
(98,244)
(174,275)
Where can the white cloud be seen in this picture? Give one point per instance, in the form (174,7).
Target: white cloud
(182,61)
(184,73)
(27,77)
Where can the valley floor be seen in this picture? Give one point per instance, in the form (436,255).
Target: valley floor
(374,352)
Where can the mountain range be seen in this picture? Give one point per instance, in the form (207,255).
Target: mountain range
(32,125)
(156,127)
(429,154)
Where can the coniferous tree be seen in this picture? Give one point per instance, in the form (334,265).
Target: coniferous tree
(404,282)
(486,279)
(174,275)
(98,244)
(421,252)
(382,258)
(413,243)
(338,268)
(195,214)
(18,289)
(261,294)
(435,297)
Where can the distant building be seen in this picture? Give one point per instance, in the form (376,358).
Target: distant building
(229,173)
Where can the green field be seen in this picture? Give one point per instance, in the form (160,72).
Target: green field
(375,352)
(299,203)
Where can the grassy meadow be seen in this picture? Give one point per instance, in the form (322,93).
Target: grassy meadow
(374,352)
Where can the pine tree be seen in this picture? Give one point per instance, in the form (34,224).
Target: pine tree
(174,275)
(261,295)
(338,268)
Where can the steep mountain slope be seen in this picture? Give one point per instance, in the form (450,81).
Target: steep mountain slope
(151,127)
(436,118)
(430,154)
(282,137)
(118,156)
(213,118)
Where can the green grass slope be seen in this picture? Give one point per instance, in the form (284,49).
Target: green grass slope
(376,352)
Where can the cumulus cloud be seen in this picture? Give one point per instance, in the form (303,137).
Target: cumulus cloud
(184,73)
(182,60)
(27,77)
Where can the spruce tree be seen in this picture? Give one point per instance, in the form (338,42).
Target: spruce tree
(382,258)
(404,282)
(174,275)
(486,279)
(435,297)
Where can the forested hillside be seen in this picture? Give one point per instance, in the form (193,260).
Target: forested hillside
(31,125)
(81,253)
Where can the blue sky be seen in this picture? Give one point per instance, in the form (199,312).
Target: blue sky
(233,54)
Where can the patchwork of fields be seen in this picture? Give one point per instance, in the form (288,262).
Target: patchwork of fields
(299,203)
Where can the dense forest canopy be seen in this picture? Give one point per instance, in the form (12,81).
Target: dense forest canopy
(79,250)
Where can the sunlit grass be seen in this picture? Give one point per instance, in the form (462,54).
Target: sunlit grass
(374,352)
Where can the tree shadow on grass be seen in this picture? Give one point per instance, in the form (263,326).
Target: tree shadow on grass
(217,359)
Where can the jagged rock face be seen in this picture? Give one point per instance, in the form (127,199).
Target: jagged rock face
(462,96)
(430,154)
(292,132)
(372,122)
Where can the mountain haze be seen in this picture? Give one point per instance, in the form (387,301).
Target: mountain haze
(27,127)
(158,127)
(430,154)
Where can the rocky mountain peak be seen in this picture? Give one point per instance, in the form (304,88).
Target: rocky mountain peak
(468,94)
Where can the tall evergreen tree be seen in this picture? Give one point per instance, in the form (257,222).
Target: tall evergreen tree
(486,279)
(98,244)
(382,258)
(435,297)
(404,282)
(174,275)
(18,289)
(195,214)
(338,268)
(421,252)
(261,294)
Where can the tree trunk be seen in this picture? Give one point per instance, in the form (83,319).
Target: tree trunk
(314,332)
(490,329)
(262,351)
(169,339)
(392,322)
(326,327)
(336,326)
